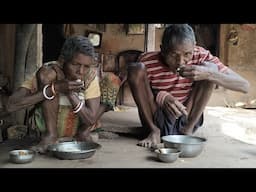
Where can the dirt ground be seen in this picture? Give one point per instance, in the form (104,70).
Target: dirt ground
(230,134)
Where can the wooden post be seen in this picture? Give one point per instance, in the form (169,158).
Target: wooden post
(151,37)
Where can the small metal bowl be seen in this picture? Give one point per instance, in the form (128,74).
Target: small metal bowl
(167,155)
(21,156)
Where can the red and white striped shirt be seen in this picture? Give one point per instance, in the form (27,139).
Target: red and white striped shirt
(164,80)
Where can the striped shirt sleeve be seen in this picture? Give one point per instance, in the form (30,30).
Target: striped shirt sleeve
(205,55)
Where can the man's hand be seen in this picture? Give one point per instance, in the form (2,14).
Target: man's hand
(175,107)
(198,72)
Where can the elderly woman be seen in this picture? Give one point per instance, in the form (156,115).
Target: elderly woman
(67,94)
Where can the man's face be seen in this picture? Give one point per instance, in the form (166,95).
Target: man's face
(179,54)
(78,67)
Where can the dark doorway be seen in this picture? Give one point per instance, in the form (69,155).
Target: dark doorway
(207,36)
(53,39)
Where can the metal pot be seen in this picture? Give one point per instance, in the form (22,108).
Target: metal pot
(190,146)
(73,150)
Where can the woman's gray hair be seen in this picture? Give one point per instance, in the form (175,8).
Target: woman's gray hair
(74,45)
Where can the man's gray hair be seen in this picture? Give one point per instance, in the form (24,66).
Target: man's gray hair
(175,34)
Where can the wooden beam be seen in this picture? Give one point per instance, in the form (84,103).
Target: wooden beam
(150,37)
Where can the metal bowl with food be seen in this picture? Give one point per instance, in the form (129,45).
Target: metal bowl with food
(167,155)
(21,156)
(190,146)
(73,150)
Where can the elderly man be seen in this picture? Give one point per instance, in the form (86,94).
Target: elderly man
(172,87)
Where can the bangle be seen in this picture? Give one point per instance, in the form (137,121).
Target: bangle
(80,105)
(44,93)
(76,107)
(53,89)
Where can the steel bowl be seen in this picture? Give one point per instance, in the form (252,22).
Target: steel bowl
(21,156)
(190,146)
(167,155)
(73,150)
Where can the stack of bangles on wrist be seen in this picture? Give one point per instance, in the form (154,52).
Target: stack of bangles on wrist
(78,107)
(53,91)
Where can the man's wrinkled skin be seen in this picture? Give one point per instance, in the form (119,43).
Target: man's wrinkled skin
(205,76)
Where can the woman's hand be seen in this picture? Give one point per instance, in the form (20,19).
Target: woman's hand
(65,86)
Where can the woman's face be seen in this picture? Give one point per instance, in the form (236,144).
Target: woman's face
(78,67)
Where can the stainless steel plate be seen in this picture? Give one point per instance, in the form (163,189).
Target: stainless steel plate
(73,150)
